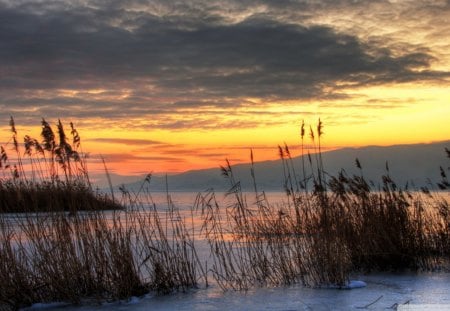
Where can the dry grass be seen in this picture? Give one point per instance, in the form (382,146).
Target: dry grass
(20,197)
(47,176)
(95,255)
(329,227)
(320,236)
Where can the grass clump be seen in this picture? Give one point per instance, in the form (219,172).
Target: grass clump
(50,175)
(20,197)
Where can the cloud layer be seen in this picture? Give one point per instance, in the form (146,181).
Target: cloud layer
(128,59)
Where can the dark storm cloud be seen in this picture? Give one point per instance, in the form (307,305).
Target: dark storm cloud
(192,53)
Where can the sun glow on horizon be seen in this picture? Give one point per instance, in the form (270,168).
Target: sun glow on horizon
(161,87)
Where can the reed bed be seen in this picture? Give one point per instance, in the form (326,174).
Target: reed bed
(81,245)
(330,227)
(63,241)
(49,175)
(95,256)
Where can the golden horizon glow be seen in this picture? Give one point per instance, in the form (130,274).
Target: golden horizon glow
(168,88)
(417,114)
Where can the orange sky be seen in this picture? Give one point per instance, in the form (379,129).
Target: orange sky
(165,87)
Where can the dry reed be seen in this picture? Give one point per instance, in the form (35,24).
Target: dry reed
(329,227)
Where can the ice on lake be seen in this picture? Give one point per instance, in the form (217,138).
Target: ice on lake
(383,292)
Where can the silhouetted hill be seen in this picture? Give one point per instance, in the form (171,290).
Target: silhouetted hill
(416,164)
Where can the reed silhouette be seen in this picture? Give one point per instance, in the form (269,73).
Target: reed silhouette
(48,176)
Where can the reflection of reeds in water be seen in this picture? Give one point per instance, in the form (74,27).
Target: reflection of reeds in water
(329,227)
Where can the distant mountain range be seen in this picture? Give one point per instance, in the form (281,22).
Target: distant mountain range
(416,164)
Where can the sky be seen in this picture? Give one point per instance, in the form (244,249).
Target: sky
(170,86)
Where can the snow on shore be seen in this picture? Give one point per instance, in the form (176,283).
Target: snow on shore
(381,292)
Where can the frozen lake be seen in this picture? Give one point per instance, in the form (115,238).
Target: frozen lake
(383,292)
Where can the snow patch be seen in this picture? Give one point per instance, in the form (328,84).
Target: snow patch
(356,284)
(352,284)
(133,300)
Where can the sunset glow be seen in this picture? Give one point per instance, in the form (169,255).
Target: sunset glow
(168,86)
